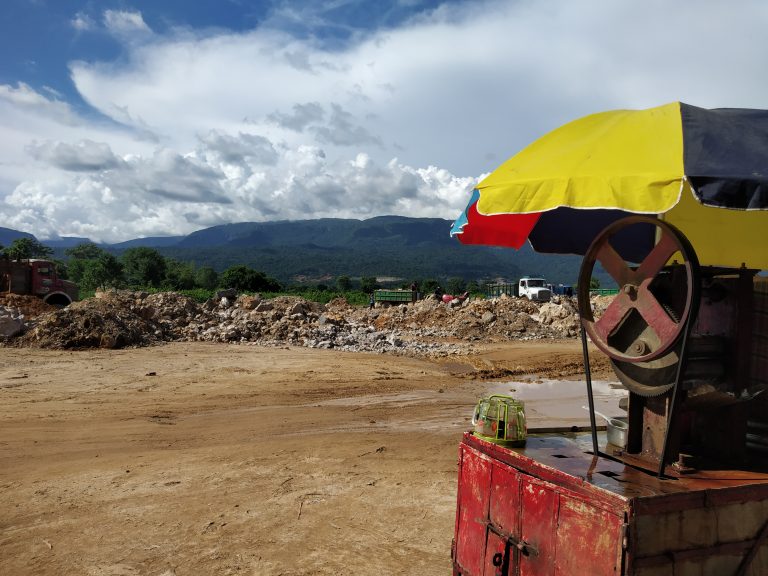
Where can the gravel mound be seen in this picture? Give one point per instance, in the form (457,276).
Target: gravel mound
(119,319)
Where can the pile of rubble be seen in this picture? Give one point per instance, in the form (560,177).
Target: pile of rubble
(15,309)
(118,319)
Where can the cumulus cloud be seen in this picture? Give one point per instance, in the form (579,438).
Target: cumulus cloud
(125,24)
(301,116)
(83,156)
(169,175)
(343,130)
(165,193)
(82,22)
(464,87)
(236,149)
(340,129)
(26,99)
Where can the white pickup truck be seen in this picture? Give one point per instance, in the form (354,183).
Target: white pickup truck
(534,289)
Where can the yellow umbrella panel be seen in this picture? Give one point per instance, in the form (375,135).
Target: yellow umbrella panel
(722,237)
(626,159)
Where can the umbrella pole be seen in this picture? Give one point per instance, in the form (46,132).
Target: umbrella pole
(590,397)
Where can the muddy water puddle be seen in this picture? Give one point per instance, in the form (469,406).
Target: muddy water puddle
(548,403)
(559,402)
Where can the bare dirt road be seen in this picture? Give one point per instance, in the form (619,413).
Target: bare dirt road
(214,459)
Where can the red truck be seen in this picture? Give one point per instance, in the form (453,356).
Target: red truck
(37,278)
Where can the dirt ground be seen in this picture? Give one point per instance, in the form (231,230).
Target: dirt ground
(215,459)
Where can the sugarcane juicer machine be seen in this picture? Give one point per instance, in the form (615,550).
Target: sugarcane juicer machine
(679,339)
(688,493)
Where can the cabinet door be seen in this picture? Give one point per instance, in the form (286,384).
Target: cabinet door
(505,499)
(538,501)
(504,528)
(472,513)
(497,555)
(589,540)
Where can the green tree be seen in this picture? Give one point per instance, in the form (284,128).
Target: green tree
(206,277)
(429,285)
(344,283)
(84,251)
(594,283)
(368,284)
(102,272)
(76,269)
(79,258)
(144,266)
(247,280)
(23,248)
(455,286)
(179,275)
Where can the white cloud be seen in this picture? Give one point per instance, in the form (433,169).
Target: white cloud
(259,125)
(165,193)
(125,24)
(26,99)
(300,117)
(235,149)
(82,22)
(84,156)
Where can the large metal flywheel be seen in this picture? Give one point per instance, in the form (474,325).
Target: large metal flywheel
(641,328)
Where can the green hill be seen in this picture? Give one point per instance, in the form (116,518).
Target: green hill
(321,250)
(385,246)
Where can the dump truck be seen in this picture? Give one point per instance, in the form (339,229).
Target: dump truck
(36,277)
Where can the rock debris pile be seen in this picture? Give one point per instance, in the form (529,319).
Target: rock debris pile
(119,319)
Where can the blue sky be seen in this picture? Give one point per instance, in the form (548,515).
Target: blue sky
(129,118)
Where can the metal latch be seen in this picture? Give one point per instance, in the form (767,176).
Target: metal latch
(502,560)
(526,548)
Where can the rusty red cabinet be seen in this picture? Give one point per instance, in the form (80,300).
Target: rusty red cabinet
(550,508)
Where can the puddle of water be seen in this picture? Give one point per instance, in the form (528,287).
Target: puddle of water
(548,403)
(403,399)
(559,402)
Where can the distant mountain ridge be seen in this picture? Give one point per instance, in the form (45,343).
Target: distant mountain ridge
(323,232)
(8,235)
(325,248)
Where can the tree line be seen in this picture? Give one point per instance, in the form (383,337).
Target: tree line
(94,268)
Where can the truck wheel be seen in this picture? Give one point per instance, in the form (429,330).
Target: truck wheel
(58,299)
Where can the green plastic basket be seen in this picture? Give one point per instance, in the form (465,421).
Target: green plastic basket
(500,419)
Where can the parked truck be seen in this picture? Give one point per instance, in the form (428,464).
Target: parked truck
(534,289)
(394,297)
(37,278)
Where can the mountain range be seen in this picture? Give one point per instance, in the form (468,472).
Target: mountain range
(393,247)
